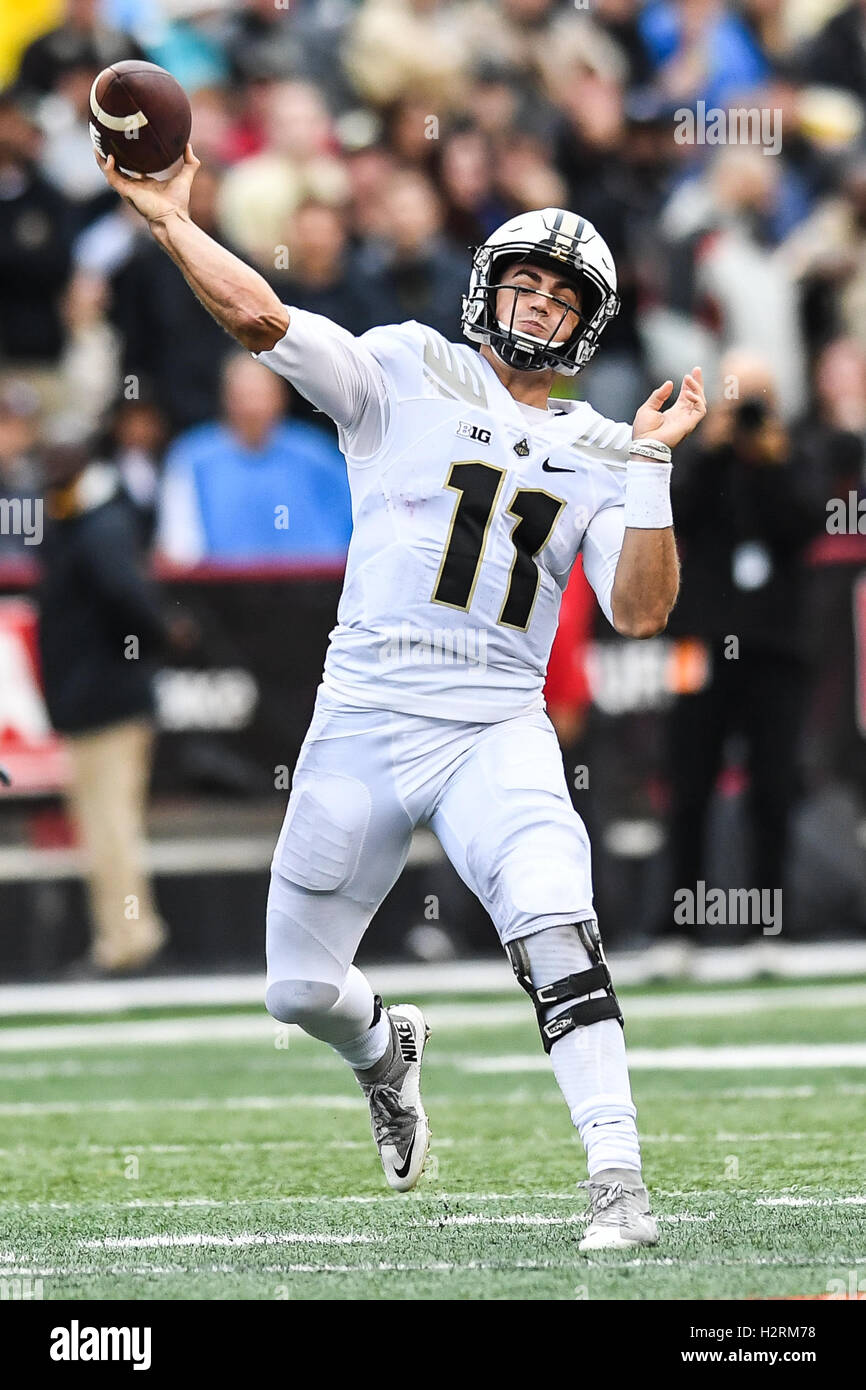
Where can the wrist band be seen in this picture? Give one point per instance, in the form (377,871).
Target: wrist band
(648,494)
(651,449)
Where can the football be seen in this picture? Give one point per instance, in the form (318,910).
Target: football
(141,115)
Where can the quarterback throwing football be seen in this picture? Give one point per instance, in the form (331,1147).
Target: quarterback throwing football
(472,496)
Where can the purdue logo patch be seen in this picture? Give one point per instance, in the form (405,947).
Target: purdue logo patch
(521,448)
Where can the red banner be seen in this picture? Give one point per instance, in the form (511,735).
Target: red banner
(32,754)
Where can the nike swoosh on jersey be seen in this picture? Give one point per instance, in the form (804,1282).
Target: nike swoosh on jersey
(548,467)
(402,1171)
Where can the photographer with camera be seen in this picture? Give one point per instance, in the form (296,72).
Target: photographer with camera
(746,501)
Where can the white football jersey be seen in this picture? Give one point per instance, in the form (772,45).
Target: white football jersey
(469,514)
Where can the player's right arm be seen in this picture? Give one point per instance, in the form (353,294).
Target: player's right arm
(321,360)
(235,294)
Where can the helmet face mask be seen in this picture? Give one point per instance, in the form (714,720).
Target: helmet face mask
(528,351)
(553,240)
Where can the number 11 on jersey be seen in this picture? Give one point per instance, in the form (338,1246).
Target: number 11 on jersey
(536,512)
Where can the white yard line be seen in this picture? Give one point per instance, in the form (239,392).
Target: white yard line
(154,1032)
(173,1203)
(457,1018)
(422,1195)
(106,996)
(195,1103)
(721,1136)
(206,1241)
(517,1219)
(533,1219)
(229,1146)
(217,1146)
(737,1058)
(772,1136)
(380,1267)
(765,1093)
(676,1218)
(492,976)
(810,1201)
(20,1108)
(730,1003)
(59,1071)
(417,1195)
(823,1262)
(574,1266)
(747,1056)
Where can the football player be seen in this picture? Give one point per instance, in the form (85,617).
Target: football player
(472,495)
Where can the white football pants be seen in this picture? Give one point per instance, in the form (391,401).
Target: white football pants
(494,794)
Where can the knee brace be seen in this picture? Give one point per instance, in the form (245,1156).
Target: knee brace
(570,989)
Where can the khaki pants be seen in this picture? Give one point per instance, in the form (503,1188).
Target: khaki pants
(48,383)
(107,798)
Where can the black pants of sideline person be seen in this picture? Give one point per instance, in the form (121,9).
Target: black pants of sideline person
(761,696)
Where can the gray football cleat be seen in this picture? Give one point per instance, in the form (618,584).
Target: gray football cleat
(393,1090)
(620,1212)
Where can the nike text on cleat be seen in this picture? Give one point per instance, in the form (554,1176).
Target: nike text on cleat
(397,1118)
(620,1216)
(406,1038)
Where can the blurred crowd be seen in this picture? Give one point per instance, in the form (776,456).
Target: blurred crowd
(353,150)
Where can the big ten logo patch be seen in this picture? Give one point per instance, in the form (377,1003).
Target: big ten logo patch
(466,430)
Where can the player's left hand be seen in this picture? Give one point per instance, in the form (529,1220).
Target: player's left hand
(686,413)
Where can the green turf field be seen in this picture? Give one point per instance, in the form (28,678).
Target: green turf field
(196,1155)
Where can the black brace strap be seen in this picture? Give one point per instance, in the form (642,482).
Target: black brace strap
(584,982)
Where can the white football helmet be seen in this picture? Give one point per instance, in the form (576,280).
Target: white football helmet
(554,239)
